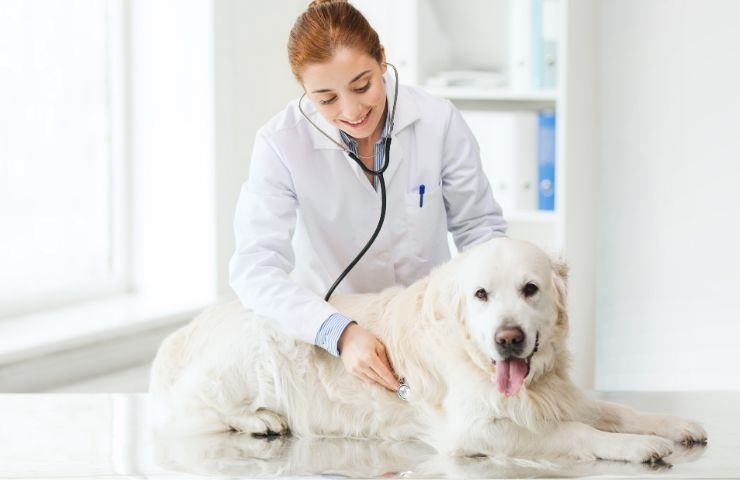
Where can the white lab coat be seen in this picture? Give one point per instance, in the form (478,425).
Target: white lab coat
(307,209)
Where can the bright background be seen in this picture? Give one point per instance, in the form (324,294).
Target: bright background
(116,205)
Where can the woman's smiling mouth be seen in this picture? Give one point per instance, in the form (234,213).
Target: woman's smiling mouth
(360,123)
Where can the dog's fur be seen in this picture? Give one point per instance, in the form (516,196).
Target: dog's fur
(233,370)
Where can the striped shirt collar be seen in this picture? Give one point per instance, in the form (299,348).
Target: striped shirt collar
(351,144)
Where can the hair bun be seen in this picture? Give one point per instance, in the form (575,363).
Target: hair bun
(318,3)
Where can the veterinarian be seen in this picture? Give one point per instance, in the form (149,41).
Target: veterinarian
(307,208)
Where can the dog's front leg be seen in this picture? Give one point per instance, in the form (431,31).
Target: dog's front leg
(562,440)
(584,442)
(612,417)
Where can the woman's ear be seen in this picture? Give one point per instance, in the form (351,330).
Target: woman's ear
(383,65)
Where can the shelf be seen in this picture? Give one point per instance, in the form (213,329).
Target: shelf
(465,93)
(531,216)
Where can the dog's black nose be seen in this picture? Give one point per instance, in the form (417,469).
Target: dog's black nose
(509,341)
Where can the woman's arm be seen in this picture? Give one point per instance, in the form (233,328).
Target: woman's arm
(473,215)
(259,270)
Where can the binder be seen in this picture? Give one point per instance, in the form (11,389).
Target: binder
(549,39)
(546,160)
(520,45)
(536,43)
(544,43)
(507,142)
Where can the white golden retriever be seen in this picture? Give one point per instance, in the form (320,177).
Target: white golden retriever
(480,341)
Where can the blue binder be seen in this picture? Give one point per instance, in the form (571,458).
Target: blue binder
(546,160)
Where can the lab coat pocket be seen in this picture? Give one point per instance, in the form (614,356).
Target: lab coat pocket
(426,221)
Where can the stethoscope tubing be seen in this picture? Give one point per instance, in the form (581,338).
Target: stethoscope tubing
(378,173)
(369,243)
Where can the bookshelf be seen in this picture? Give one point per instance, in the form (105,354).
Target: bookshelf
(426,37)
(430,41)
(547,98)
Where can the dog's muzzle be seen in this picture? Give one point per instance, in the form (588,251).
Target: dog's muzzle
(513,369)
(510,341)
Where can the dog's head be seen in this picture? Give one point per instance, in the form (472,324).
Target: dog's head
(510,297)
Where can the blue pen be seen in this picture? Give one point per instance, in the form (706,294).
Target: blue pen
(421,195)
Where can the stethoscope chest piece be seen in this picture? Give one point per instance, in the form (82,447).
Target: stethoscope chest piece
(404,390)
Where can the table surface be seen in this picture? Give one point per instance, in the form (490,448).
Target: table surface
(112,435)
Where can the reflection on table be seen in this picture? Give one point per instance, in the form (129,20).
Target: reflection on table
(76,436)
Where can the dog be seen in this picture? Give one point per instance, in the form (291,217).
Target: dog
(480,341)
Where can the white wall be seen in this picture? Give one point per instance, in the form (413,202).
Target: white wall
(171,147)
(253,83)
(575,186)
(200,93)
(669,164)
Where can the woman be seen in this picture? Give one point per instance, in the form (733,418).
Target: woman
(307,208)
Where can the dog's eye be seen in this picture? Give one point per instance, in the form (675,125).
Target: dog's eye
(530,289)
(481,295)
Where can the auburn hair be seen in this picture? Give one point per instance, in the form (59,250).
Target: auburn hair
(326,26)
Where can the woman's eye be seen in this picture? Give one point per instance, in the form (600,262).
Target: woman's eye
(363,89)
(327,101)
(481,295)
(530,289)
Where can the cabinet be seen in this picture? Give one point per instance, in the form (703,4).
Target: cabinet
(426,37)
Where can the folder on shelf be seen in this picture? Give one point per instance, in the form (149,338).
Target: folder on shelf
(546,160)
(539,20)
(547,60)
(507,142)
(520,45)
(536,42)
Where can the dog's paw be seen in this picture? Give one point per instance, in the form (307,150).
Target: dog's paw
(680,430)
(642,449)
(262,423)
(235,445)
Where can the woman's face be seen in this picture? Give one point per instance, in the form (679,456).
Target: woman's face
(348,91)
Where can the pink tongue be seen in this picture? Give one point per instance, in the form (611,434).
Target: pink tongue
(510,375)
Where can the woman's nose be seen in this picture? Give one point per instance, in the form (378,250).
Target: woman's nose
(352,110)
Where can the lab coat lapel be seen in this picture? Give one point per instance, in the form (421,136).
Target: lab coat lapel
(321,142)
(406,114)
(394,160)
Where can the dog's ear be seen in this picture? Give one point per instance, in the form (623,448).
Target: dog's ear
(442,297)
(559,280)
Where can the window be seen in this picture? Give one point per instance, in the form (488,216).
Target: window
(60,213)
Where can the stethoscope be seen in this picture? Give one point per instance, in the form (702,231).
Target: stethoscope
(376,173)
(404,390)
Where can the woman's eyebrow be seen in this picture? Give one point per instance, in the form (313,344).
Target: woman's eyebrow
(359,76)
(326,90)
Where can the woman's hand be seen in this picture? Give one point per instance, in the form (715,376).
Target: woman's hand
(364,357)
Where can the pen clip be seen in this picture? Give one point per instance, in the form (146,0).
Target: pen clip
(422,188)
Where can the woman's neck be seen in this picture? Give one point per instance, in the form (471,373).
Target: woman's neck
(368,143)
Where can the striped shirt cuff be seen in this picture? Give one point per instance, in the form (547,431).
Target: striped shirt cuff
(328,335)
